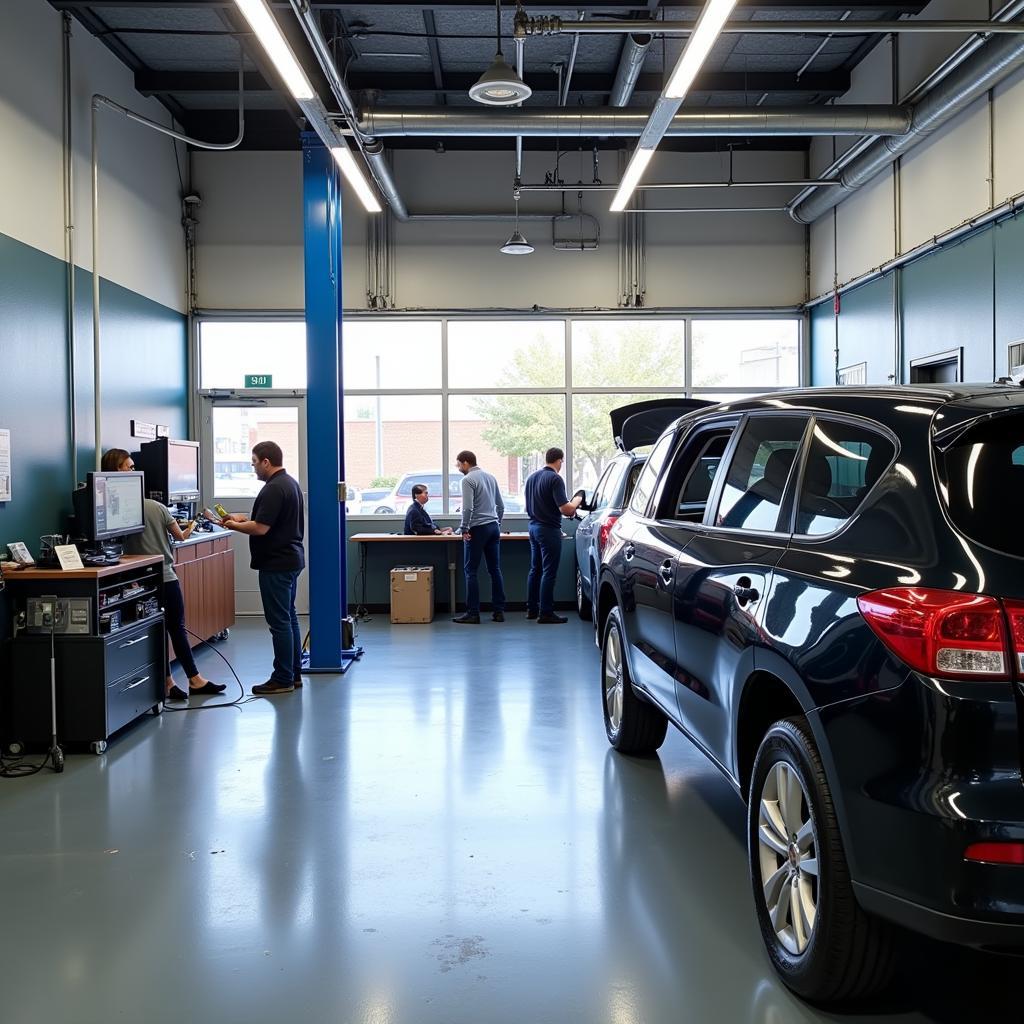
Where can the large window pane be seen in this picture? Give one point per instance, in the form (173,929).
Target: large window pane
(228,351)
(509,435)
(392,354)
(628,353)
(235,431)
(746,353)
(506,354)
(592,443)
(390,442)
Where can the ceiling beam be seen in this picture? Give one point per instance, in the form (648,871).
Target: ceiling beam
(824,83)
(430,24)
(892,7)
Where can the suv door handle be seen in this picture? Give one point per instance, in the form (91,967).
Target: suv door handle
(629,551)
(666,571)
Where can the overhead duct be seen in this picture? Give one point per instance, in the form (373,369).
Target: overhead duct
(970,81)
(634,52)
(610,122)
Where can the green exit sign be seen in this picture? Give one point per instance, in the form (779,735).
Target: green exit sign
(259,380)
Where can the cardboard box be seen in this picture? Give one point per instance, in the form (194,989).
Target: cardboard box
(412,593)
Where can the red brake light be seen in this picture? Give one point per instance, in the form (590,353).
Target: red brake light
(996,853)
(605,532)
(1015,613)
(941,632)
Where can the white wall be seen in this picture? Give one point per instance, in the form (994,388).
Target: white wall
(945,180)
(255,199)
(141,241)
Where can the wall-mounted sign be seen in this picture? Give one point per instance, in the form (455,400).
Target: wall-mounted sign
(146,430)
(259,380)
(5,465)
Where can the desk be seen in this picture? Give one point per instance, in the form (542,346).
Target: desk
(363,539)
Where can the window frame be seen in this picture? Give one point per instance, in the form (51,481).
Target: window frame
(568,390)
(733,422)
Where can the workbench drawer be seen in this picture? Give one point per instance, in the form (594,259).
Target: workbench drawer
(133,695)
(133,647)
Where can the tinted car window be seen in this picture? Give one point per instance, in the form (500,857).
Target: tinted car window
(844,462)
(985,481)
(759,471)
(649,475)
(693,475)
(609,485)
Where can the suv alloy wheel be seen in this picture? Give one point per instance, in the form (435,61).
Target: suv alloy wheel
(633,726)
(819,939)
(583,604)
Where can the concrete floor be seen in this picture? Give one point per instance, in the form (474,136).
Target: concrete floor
(442,836)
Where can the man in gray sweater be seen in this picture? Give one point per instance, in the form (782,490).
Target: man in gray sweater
(482,512)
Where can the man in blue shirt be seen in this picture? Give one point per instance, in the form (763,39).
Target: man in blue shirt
(546,503)
(482,512)
(417,519)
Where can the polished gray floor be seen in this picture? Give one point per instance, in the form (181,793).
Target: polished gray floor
(440,836)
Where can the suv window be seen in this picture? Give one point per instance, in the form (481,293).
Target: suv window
(649,474)
(693,475)
(759,472)
(984,475)
(844,462)
(609,485)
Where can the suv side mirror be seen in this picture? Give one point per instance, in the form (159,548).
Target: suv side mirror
(584,504)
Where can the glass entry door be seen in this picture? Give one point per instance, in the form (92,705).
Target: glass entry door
(230,428)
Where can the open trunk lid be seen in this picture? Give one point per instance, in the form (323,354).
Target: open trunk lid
(642,423)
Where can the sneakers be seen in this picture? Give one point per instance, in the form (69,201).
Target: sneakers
(270,687)
(207,688)
(297,682)
(467,620)
(176,693)
(547,620)
(498,617)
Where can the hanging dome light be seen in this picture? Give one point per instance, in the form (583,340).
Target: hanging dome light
(517,245)
(499,85)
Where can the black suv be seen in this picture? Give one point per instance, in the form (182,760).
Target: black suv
(838,623)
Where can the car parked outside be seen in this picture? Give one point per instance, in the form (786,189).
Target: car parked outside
(370,499)
(399,498)
(837,621)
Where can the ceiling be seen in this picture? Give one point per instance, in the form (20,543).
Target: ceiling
(396,55)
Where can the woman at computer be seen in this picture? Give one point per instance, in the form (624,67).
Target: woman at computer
(154,541)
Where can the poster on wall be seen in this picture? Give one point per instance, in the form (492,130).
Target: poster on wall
(5,465)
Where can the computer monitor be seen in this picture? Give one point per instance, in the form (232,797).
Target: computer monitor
(171,468)
(109,505)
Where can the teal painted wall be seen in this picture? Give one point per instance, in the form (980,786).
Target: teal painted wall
(515,562)
(144,376)
(968,296)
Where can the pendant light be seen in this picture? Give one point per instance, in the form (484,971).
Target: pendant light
(516,244)
(499,85)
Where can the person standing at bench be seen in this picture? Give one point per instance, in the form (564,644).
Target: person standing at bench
(417,520)
(482,512)
(546,503)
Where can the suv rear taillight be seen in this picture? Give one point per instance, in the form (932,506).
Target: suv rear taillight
(943,632)
(604,533)
(1015,613)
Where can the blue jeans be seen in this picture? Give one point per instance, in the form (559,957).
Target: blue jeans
(278,592)
(545,554)
(486,541)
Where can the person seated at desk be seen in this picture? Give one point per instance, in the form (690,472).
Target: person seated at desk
(417,519)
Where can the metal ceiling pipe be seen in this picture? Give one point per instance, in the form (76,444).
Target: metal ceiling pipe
(613,122)
(982,71)
(631,62)
(555,26)
(588,187)
(371,148)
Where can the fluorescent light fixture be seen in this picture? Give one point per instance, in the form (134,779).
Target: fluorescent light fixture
(354,176)
(262,22)
(637,165)
(697,48)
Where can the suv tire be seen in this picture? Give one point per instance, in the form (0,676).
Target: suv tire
(583,603)
(799,873)
(633,725)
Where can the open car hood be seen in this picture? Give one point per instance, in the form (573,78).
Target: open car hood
(642,423)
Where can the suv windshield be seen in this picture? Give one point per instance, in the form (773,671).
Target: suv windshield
(984,475)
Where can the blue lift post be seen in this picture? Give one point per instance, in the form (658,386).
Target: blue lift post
(325,440)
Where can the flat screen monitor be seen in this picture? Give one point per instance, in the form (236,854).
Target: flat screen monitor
(110,505)
(182,468)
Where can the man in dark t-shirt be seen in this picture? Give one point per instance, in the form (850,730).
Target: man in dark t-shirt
(546,503)
(275,531)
